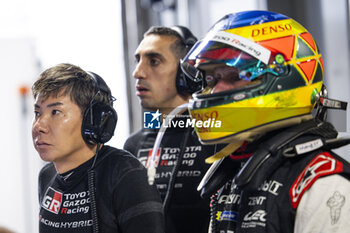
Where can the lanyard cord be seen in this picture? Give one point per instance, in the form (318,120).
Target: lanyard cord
(92,191)
(174,172)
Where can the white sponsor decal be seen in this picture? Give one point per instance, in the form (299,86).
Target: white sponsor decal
(258,215)
(271,186)
(308,146)
(230,199)
(74,224)
(243,44)
(254,219)
(256,200)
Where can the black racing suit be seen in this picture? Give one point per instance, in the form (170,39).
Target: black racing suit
(187,211)
(125,201)
(270,206)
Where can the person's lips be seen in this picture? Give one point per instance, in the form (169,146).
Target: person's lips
(41,144)
(141,90)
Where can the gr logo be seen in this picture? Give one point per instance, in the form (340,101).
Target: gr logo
(52,200)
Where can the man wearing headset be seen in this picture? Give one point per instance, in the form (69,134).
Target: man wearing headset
(86,186)
(263,76)
(180,166)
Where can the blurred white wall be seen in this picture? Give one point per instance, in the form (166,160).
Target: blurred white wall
(19,164)
(36,35)
(217,11)
(336,61)
(89,34)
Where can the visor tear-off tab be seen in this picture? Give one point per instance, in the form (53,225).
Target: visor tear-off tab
(227,150)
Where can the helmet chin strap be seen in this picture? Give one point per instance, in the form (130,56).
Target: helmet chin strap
(235,141)
(233,146)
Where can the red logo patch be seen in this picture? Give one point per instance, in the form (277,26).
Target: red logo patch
(323,164)
(145,157)
(52,200)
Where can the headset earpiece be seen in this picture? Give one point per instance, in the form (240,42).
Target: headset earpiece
(183,83)
(99,123)
(99,119)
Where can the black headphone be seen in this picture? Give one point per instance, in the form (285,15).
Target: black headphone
(99,119)
(183,83)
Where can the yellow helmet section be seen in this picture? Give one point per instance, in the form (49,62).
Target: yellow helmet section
(267,31)
(237,117)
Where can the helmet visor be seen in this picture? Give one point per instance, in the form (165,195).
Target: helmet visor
(227,60)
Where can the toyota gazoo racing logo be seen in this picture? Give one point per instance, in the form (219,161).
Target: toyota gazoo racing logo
(52,200)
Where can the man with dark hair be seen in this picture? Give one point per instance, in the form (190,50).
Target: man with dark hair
(161,87)
(157,71)
(86,186)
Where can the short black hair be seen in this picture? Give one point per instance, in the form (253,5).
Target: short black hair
(178,48)
(67,79)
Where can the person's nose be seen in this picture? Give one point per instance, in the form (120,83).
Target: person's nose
(139,71)
(40,125)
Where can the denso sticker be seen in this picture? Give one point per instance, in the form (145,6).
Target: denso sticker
(323,164)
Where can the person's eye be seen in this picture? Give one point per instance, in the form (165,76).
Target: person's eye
(137,59)
(154,62)
(36,114)
(55,112)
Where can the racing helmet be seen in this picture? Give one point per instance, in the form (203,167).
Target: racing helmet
(259,70)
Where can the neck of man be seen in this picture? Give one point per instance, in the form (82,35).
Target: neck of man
(180,100)
(75,160)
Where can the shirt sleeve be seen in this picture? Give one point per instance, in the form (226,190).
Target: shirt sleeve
(133,142)
(325,207)
(139,204)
